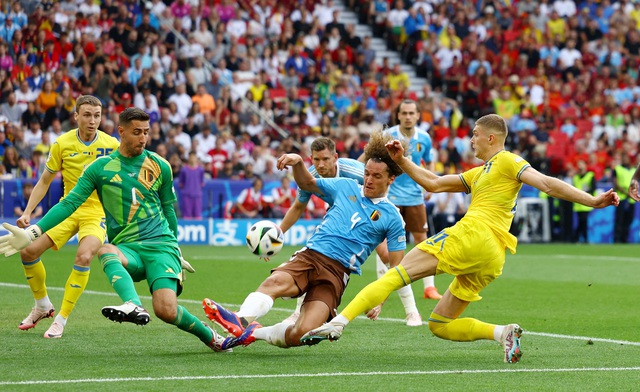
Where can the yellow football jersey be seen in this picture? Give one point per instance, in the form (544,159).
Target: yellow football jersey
(71,156)
(494,189)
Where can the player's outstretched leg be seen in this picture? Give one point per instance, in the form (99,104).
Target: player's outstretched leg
(127,312)
(216,341)
(225,318)
(329,331)
(245,338)
(406,297)
(510,340)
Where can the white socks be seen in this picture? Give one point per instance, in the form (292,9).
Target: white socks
(61,320)
(429,282)
(255,306)
(340,319)
(405,293)
(497,332)
(43,303)
(275,335)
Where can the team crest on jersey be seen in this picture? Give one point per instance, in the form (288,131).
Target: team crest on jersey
(353,198)
(375,215)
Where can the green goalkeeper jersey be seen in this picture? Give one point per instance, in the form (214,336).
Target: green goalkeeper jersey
(137,196)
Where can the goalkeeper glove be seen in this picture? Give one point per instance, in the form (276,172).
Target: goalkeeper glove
(185,264)
(18,238)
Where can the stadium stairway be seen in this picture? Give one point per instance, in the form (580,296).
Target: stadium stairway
(347,16)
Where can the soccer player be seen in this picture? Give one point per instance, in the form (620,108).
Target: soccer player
(69,155)
(405,193)
(360,218)
(135,187)
(473,250)
(326,164)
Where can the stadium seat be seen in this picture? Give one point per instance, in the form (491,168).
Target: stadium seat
(278,94)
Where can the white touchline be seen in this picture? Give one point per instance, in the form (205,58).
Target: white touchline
(316,375)
(393,320)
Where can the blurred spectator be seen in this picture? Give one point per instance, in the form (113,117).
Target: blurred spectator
(191,182)
(57,111)
(4,142)
(584,180)
(249,202)
(10,109)
(622,176)
(448,208)
(283,198)
(182,101)
(21,200)
(24,170)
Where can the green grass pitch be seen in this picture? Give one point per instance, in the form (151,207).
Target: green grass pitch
(578,305)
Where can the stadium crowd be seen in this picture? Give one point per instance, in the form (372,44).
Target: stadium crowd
(563,73)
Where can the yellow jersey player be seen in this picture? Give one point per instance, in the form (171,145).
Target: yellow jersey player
(70,155)
(473,250)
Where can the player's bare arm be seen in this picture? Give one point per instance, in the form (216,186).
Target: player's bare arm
(293,214)
(39,190)
(395,258)
(426,179)
(303,178)
(560,189)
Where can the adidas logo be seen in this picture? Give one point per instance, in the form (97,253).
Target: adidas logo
(116,178)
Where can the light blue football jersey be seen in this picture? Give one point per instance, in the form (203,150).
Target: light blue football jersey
(355,225)
(404,191)
(347,168)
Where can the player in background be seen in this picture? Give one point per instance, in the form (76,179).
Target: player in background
(326,164)
(633,187)
(69,155)
(135,187)
(405,193)
(360,218)
(473,250)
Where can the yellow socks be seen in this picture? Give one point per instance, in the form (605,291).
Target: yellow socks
(36,277)
(74,288)
(375,293)
(460,330)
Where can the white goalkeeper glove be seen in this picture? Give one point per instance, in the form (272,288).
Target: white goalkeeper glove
(18,238)
(185,264)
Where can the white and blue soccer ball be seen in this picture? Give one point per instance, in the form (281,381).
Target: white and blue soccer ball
(265,239)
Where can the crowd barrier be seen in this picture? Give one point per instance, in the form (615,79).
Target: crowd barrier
(532,214)
(214,194)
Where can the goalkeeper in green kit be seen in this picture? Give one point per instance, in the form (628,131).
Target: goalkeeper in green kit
(135,187)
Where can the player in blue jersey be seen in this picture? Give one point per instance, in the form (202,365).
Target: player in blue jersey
(360,218)
(405,193)
(326,164)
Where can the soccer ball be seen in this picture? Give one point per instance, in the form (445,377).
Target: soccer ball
(265,239)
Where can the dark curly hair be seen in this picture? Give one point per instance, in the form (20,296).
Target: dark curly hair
(377,151)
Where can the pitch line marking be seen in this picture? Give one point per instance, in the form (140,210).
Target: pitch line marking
(393,320)
(316,375)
